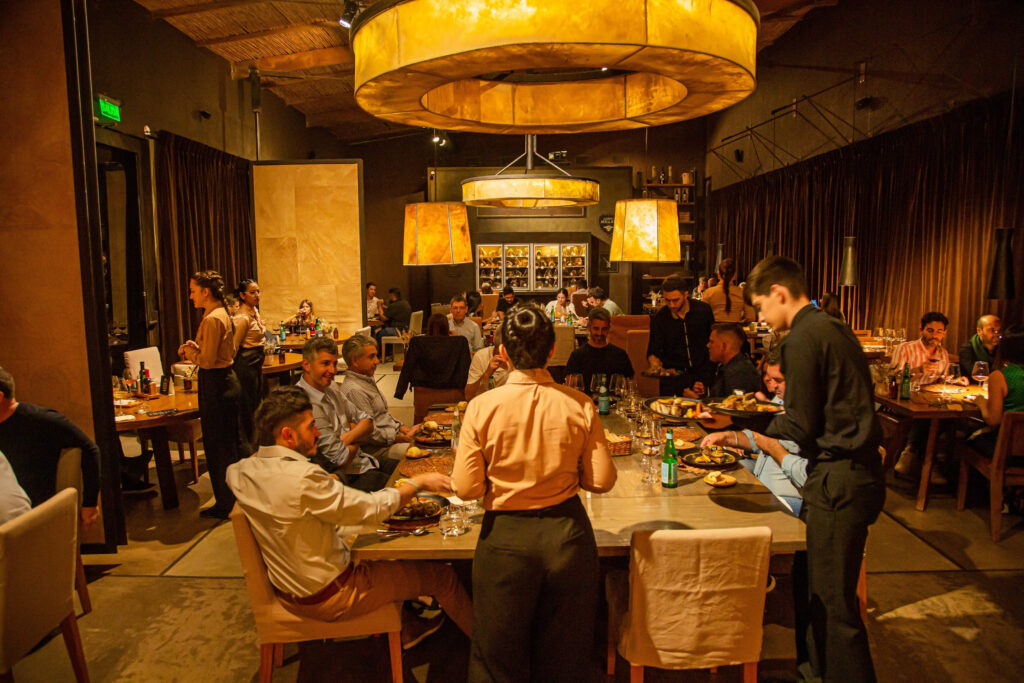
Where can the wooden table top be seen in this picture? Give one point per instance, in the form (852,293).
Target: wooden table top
(187,405)
(917,407)
(292,361)
(629,506)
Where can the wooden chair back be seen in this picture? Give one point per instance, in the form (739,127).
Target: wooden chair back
(565,343)
(622,324)
(489,302)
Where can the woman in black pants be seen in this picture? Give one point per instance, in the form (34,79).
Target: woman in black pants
(249,359)
(528,447)
(219,392)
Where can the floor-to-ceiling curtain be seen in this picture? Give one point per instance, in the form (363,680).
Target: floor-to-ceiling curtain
(922,202)
(204,218)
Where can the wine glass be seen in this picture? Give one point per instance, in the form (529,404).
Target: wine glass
(598,380)
(951,379)
(616,385)
(980,373)
(574,380)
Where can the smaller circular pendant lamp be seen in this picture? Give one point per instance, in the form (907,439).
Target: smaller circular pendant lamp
(530,190)
(645,230)
(436,233)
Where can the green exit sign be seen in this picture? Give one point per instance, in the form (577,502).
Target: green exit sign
(107,110)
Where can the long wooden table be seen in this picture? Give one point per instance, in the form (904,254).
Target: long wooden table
(921,410)
(630,506)
(154,429)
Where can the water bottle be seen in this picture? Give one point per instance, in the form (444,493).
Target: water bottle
(669,463)
(282,335)
(603,401)
(905,383)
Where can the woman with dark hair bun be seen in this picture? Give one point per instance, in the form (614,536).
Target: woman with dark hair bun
(249,359)
(219,391)
(831,305)
(528,447)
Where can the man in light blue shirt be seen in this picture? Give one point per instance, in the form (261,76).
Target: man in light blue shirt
(462,326)
(342,426)
(776,463)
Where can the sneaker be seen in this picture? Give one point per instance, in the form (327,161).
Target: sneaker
(414,631)
(905,464)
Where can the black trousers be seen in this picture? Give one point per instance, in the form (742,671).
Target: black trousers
(841,499)
(248,368)
(373,480)
(535,581)
(219,397)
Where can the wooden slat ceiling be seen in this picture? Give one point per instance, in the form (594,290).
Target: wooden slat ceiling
(303,56)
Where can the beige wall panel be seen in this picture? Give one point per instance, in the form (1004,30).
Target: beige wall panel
(38,224)
(308,240)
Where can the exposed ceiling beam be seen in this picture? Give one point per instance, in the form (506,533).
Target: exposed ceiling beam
(327,56)
(254,35)
(186,10)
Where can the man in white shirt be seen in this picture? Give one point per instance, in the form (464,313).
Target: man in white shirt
(598,297)
(389,439)
(487,365)
(13,499)
(342,426)
(925,355)
(300,516)
(460,325)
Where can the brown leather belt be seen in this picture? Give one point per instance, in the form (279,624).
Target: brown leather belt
(321,595)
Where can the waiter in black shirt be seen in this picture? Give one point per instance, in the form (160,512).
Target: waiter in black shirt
(679,340)
(830,415)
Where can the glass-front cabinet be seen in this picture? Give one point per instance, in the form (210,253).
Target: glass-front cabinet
(574,263)
(531,267)
(517,266)
(488,266)
(545,268)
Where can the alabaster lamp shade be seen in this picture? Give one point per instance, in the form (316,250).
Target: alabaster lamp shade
(645,230)
(436,233)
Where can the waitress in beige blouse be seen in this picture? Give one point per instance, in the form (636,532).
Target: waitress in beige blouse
(219,392)
(528,447)
(249,359)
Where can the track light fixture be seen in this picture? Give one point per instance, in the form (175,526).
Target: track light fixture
(349,13)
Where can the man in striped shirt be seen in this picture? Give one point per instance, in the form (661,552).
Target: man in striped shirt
(928,359)
(925,355)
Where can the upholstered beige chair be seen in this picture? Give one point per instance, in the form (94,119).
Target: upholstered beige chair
(692,600)
(276,626)
(565,343)
(37,575)
(69,475)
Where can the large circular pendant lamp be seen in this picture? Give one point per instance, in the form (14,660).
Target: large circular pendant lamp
(436,233)
(530,191)
(552,66)
(645,230)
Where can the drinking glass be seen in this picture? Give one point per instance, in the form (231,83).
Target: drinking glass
(901,335)
(574,380)
(980,373)
(452,522)
(598,380)
(616,385)
(951,378)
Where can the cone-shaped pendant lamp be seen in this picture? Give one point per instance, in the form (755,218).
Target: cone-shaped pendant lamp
(436,233)
(1001,284)
(848,269)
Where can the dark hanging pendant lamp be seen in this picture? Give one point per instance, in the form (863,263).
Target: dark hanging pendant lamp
(848,269)
(720,256)
(1001,283)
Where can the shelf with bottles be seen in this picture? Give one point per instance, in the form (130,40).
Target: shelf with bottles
(489,263)
(517,266)
(574,262)
(545,267)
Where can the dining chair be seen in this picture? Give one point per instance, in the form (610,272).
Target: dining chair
(276,626)
(996,469)
(416,323)
(490,304)
(565,343)
(636,349)
(443,309)
(37,573)
(69,475)
(692,599)
(424,397)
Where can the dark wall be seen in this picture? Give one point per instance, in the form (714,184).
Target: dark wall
(164,80)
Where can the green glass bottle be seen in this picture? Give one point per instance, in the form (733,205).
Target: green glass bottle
(669,463)
(905,383)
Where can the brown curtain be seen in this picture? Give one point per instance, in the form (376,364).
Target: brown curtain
(204,214)
(922,201)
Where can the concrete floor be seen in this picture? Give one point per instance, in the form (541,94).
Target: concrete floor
(945,603)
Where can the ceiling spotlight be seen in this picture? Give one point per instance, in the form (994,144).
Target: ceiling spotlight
(604,68)
(436,139)
(349,13)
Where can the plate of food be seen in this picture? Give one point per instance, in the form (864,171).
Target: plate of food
(442,464)
(423,510)
(743,406)
(433,434)
(673,407)
(682,435)
(415,453)
(719,479)
(660,372)
(710,457)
